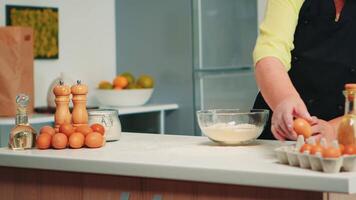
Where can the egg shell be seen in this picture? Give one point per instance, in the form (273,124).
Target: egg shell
(47,129)
(302,127)
(331,165)
(44,140)
(349,163)
(304,160)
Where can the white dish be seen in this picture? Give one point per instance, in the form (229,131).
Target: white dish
(122,98)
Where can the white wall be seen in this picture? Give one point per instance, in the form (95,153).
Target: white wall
(86,43)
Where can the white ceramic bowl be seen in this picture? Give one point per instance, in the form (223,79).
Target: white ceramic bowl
(232,126)
(121,98)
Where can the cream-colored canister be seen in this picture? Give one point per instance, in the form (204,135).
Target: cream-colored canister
(109,118)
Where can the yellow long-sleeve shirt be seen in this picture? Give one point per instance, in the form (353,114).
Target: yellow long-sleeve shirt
(277,31)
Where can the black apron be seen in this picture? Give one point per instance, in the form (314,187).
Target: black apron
(323,60)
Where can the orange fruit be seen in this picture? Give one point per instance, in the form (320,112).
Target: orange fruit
(44,141)
(302,127)
(47,129)
(67,129)
(120,82)
(98,128)
(59,141)
(118,88)
(76,140)
(84,129)
(94,140)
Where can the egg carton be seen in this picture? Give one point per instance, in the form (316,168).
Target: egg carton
(290,155)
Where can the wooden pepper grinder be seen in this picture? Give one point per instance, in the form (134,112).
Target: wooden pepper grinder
(62,115)
(79,113)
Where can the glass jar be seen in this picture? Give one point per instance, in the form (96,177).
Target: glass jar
(347,127)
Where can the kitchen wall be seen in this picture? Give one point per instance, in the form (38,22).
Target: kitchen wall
(155,37)
(87,48)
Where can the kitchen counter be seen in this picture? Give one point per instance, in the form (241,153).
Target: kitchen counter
(185,158)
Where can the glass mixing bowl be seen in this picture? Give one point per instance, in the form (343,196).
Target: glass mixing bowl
(232,126)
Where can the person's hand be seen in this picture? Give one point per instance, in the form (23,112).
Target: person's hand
(283,114)
(323,129)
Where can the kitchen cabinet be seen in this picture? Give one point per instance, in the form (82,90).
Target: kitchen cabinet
(30,184)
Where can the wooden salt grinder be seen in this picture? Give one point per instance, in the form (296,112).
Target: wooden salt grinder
(79,113)
(62,115)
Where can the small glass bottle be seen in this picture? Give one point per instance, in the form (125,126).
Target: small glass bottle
(22,136)
(347,127)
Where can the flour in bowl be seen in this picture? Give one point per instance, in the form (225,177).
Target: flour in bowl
(232,133)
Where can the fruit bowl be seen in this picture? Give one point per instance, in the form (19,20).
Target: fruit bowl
(232,126)
(122,98)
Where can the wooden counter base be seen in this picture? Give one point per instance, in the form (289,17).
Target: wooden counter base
(31,184)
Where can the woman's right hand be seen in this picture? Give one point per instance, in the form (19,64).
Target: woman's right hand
(283,114)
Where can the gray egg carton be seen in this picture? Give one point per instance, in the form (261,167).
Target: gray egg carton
(290,155)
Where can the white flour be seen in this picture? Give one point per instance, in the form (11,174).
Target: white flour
(229,132)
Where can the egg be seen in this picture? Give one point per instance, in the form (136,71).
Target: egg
(98,128)
(59,141)
(43,141)
(67,129)
(305,147)
(302,127)
(84,129)
(94,140)
(331,152)
(76,140)
(316,148)
(349,150)
(48,129)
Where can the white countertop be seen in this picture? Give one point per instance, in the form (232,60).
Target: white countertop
(183,158)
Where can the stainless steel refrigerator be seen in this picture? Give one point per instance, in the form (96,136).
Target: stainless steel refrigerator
(224,36)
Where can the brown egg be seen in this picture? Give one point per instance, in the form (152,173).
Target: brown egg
(67,129)
(331,152)
(98,128)
(76,140)
(94,140)
(349,150)
(316,148)
(302,127)
(59,141)
(84,129)
(48,129)
(306,147)
(43,141)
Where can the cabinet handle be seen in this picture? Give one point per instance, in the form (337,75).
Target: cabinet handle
(157,197)
(125,196)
